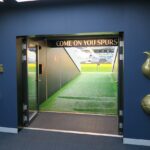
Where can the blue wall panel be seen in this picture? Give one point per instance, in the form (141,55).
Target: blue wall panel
(131,18)
(136,123)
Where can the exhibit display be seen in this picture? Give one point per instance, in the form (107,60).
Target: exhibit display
(80,80)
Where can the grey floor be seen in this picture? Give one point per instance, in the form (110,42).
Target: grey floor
(76,122)
(43,140)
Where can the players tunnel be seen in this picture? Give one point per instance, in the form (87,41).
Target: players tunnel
(71,82)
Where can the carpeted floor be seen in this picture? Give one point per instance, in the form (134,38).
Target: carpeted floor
(42,140)
(94,93)
(76,122)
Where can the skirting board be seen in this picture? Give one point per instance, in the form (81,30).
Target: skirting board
(8,130)
(141,142)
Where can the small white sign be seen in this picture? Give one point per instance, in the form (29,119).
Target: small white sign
(121,57)
(24,58)
(24,46)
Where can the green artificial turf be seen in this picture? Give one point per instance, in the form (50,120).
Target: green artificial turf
(94,93)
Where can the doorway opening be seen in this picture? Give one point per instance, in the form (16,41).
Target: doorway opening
(92,85)
(71,83)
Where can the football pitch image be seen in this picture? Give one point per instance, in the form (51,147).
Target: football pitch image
(93,92)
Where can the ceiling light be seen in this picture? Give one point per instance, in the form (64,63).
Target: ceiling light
(1,0)
(25,0)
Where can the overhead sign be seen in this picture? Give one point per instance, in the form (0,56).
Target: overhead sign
(83,43)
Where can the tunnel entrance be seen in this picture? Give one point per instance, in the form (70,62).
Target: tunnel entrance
(71,83)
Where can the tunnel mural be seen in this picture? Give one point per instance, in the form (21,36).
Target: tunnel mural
(85,83)
(69,76)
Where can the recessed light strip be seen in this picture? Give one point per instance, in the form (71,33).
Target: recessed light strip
(19,1)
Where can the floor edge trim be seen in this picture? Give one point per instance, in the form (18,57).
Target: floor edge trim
(73,132)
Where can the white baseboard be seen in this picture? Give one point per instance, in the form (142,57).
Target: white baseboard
(141,142)
(8,130)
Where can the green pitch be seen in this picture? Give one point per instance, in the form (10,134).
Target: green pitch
(92,92)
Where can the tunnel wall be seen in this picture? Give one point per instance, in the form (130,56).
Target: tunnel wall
(60,69)
(42,93)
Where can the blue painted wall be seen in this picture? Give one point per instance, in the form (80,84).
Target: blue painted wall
(131,18)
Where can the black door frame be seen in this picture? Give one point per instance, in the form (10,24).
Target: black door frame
(25,102)
(24,98)
(120,82)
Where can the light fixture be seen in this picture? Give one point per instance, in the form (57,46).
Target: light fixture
(1,0)
(25,0)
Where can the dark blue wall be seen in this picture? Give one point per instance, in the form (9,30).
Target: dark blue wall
(131,18)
